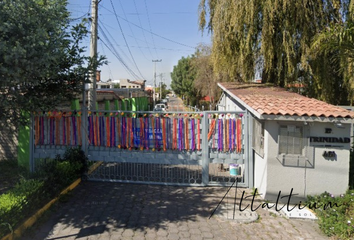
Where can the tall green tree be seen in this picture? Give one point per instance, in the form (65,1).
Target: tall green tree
(336,42)
(183,76)
(273,37)
(41,62)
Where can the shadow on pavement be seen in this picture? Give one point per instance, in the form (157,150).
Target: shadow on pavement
(96,206)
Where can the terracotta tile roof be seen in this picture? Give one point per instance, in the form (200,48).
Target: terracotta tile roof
(277,101)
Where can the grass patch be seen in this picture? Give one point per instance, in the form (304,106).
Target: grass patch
(27,192)
(10,174)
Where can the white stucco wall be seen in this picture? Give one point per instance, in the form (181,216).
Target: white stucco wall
(228,104)
(260,174)
(327,175)
(331,175)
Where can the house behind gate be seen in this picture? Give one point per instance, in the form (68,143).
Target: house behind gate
(300,145)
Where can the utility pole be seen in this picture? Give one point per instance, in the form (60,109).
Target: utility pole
(93,55)
(154,96)
(161,86)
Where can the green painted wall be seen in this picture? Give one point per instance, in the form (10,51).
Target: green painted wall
(116,104)
(107,105)
(75,104)
(133,104)
(122,107)
(23,150)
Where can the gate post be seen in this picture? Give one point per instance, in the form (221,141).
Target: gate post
(84,129)
(31,144)
(205,150)
(249,150)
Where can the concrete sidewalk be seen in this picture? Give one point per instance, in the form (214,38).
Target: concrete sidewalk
(97,210)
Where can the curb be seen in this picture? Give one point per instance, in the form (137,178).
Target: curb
(33,219)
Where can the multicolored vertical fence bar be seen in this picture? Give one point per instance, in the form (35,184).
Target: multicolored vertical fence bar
(191,145)
(140,131)
(58,128)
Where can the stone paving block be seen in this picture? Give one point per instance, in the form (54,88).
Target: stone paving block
(193,225)
(195,231)
(207,235)
(173,236)
(173,230)
(195,237)
(150,235)
(104,235)
(138,237)
(128,233)
(184,234)
(128,211)
(161,233)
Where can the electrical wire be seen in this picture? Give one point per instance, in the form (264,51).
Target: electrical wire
(131,30)
(121,61)
(102,25)
(125,40)
(111,48)
(109,68)
(136,9)
(155,34)
(152,36)
(86,14)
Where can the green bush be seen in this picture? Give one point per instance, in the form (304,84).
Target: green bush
(77,158)
(50,178)
(204,103)
(19,202)
(337,220)
(59,172)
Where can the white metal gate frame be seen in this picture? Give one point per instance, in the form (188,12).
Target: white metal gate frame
(204,159)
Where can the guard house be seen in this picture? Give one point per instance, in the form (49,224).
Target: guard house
(298,143)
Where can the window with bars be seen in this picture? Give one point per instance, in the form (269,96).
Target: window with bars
(291,140)
(293,151)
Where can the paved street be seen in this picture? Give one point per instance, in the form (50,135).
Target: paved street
(107,210)
(175,104)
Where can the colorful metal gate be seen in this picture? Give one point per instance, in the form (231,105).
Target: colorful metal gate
(177,148)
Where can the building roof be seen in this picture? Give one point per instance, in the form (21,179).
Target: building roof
(266,100)
(137,82)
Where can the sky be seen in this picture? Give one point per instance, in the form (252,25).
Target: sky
(134,33)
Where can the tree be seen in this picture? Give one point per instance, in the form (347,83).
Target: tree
(206,80)
(183,76)
(41,62)
(273,37)
(336,41)
(164,91)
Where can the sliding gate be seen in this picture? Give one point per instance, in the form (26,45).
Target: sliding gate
(177,148)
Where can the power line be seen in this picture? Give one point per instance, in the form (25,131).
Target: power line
(136,9)
(120,60)
(109,68)
(125,40)
(138,39)
(116,54)
(103,28)
(131,30)
(155,34)
(86,14)
(152,36)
